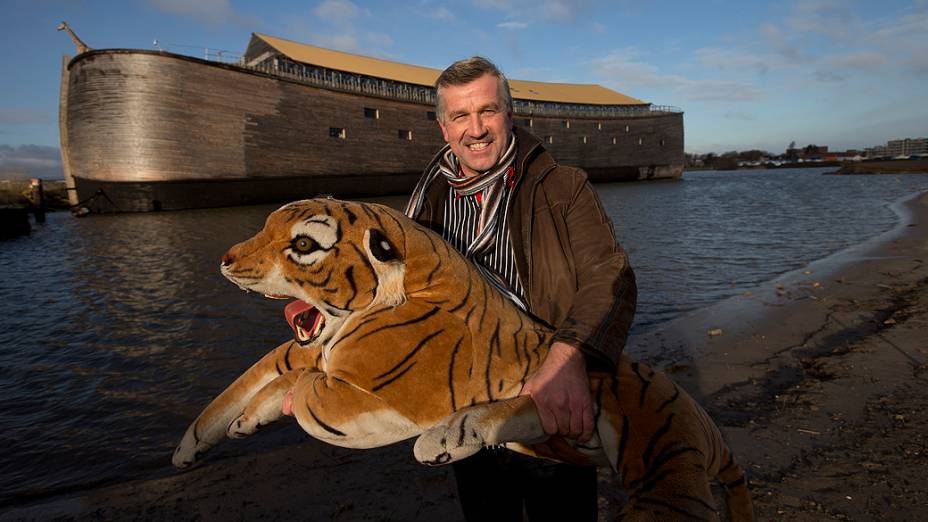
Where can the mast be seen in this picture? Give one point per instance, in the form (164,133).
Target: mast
(81,46)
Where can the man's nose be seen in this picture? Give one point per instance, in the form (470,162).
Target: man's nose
(476,128)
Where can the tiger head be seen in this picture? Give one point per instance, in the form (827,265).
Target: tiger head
(335,257)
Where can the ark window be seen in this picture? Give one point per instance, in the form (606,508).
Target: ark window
(640,141)
(599,125)
(374,114)
(549,139)
(404,134)
(566,124)
(615,140)
(626,128)
(430,115)
(337,132)
(662,143)
(583,139)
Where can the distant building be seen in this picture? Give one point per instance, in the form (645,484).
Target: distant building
(848,155)
(878,151)
(814,152)
(907,147)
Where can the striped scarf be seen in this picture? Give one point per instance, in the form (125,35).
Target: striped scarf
(491,185)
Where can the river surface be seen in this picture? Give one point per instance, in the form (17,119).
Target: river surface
(116,330)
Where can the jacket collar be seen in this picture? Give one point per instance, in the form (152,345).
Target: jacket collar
(534,164)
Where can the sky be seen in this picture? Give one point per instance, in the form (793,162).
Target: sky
(747,74)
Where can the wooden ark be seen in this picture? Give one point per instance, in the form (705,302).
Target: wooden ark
(152,130)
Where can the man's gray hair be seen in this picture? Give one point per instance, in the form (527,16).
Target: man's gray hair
(465,71)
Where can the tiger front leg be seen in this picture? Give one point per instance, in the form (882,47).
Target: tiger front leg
(265,407)
(211,425)
(467,430)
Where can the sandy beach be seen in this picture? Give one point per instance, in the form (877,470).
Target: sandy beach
(817,379)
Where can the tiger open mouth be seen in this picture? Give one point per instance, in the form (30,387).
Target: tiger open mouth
(305,321)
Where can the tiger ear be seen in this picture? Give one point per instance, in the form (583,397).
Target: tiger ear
(388,266)
(380,247)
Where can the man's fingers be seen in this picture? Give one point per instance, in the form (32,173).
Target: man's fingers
(286,406)
(576,422)
(588,425)
(548,420)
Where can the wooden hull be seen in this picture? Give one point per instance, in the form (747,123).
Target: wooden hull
(145,130)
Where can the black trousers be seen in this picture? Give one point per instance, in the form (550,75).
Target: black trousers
(496,484)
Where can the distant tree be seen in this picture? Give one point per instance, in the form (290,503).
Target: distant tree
(753,155)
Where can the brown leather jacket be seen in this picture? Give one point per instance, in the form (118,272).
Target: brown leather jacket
(576,276)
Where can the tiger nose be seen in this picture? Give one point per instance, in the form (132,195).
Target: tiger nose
(228,258)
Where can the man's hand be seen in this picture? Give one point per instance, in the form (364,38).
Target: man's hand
(561,391)
(286,406)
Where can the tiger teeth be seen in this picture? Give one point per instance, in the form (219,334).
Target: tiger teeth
(303,336)
(301,333)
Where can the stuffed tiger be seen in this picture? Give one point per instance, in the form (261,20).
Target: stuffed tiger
(397,335)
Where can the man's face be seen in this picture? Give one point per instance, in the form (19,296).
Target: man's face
(476,123)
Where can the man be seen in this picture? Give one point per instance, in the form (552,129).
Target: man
(538,231)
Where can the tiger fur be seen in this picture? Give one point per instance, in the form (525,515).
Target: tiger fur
(405,338)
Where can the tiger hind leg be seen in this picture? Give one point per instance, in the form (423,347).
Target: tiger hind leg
(737,497)
(678,491)
(466,431)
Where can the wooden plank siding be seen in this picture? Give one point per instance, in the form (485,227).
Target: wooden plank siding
(142,125)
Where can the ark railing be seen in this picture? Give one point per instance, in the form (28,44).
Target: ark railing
(370,86)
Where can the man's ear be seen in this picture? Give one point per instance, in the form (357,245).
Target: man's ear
(444,131)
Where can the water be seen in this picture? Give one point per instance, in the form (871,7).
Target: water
(116,330)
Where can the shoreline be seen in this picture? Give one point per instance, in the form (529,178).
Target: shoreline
(789,361)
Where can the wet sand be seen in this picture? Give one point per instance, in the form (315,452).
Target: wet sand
(818,380)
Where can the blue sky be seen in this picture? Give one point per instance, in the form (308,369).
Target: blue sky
(755,74)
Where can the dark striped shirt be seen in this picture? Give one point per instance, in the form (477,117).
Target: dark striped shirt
(460,228)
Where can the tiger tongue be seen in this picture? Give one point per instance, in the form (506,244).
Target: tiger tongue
(293,309)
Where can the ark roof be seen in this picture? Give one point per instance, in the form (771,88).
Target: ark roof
(591,94)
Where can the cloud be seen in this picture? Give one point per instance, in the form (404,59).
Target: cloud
(622,69)
(21,116)
(904,38)
(791,52)
(869,60)
(438,13)
(213,12)
(733,60)
(840,67)
(339,11)
(549,9)
(343,19)
(739,116)
(830,18)
(512,25)
(30,161)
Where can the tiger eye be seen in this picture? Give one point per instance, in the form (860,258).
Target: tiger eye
(304,245)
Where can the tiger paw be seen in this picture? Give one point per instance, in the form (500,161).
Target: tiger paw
(243,426)
(252,420)
(448,443)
